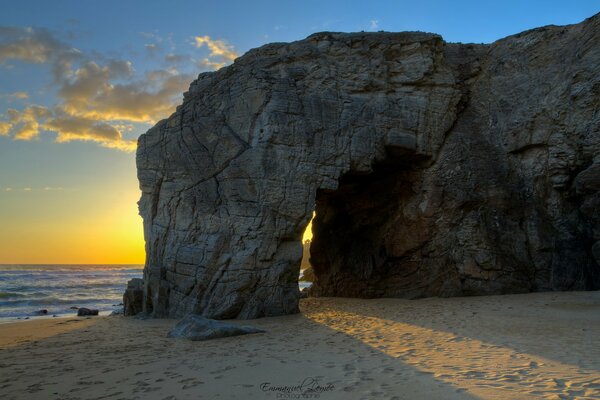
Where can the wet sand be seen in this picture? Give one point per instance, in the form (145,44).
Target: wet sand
(541,345)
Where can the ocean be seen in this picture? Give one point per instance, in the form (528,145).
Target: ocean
(27,289)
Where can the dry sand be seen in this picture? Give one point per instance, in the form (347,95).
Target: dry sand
(542,345)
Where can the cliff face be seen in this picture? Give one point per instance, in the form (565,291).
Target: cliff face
(436,169)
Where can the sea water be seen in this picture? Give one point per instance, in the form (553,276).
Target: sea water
(25,290)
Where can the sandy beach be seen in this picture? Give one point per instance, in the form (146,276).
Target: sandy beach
(541,345)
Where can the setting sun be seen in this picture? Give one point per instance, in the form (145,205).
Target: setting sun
(86,218)
(105,235)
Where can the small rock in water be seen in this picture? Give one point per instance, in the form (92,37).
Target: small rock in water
(82,312)
(117,312)
(196,327)
(42,312)
(73,308)
(54,315)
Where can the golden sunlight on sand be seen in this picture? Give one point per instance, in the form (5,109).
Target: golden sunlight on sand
(489,369)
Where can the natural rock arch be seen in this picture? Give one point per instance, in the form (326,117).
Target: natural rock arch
(467,192)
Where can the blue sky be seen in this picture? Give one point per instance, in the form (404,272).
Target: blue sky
(80,80)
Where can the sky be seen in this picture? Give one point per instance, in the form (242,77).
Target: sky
(81,80)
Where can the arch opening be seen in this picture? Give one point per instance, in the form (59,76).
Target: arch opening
(366,240)
(306,277)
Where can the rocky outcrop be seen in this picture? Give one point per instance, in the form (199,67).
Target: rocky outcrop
(133,298)
(197,328)
(436,169)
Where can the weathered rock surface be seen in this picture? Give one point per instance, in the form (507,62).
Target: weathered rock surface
(133,298)
(196,327)
(436,169)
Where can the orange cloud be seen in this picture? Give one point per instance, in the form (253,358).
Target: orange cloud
(92,94)
(207,64)
(69,128)
(27,124)
(218,48)
(24,124)
(5,128)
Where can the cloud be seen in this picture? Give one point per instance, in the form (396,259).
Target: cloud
(25,44)
(72,128)
(172,58)
(152,48)
(5,128)
(94,96)
(15,96)
(91,79)
(24,125)
(151,35)
(99,98)
(30,189)
(91,93)
(28,123)
(33,45)
(158,42)
(69,128)
(374,24)
(207,64)
(218,48)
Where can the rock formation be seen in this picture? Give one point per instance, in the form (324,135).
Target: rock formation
(436,169)
(133,298)
(85,312)
(198,328)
